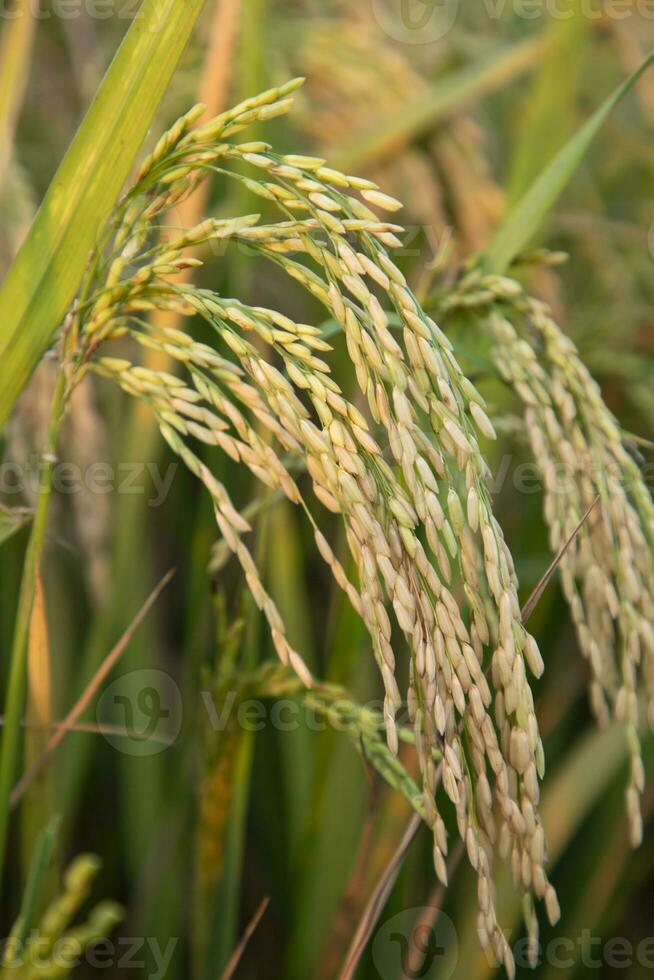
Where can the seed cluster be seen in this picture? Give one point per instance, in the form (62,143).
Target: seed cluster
(607,573)
(418,518)
(55,946)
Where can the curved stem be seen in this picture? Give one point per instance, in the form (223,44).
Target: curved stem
(10,745)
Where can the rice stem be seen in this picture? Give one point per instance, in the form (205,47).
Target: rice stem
(10,745)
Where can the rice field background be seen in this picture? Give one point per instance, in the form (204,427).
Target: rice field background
(326,530)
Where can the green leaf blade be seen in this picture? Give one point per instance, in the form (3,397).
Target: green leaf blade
(527,215)
(42,282)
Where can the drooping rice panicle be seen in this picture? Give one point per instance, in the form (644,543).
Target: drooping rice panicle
(607,573)
(419,524)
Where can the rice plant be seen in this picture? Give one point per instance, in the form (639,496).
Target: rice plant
(349,401)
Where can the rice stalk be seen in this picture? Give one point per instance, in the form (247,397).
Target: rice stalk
(17,675)
(420,528)
(83,443)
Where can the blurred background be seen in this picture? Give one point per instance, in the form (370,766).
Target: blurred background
(237,792)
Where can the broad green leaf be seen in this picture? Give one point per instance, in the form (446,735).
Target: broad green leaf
(451,94)
(525,218)
(42,282)
(550,106)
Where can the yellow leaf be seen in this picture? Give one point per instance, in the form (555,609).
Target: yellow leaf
(38,661)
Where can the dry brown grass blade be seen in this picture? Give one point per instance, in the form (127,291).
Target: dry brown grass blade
(251,927)
(535,596)
(378,900)
(88,728)
(213,92)
(91,690)
(217,68)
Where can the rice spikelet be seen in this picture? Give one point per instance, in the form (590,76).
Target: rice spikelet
(419,527)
